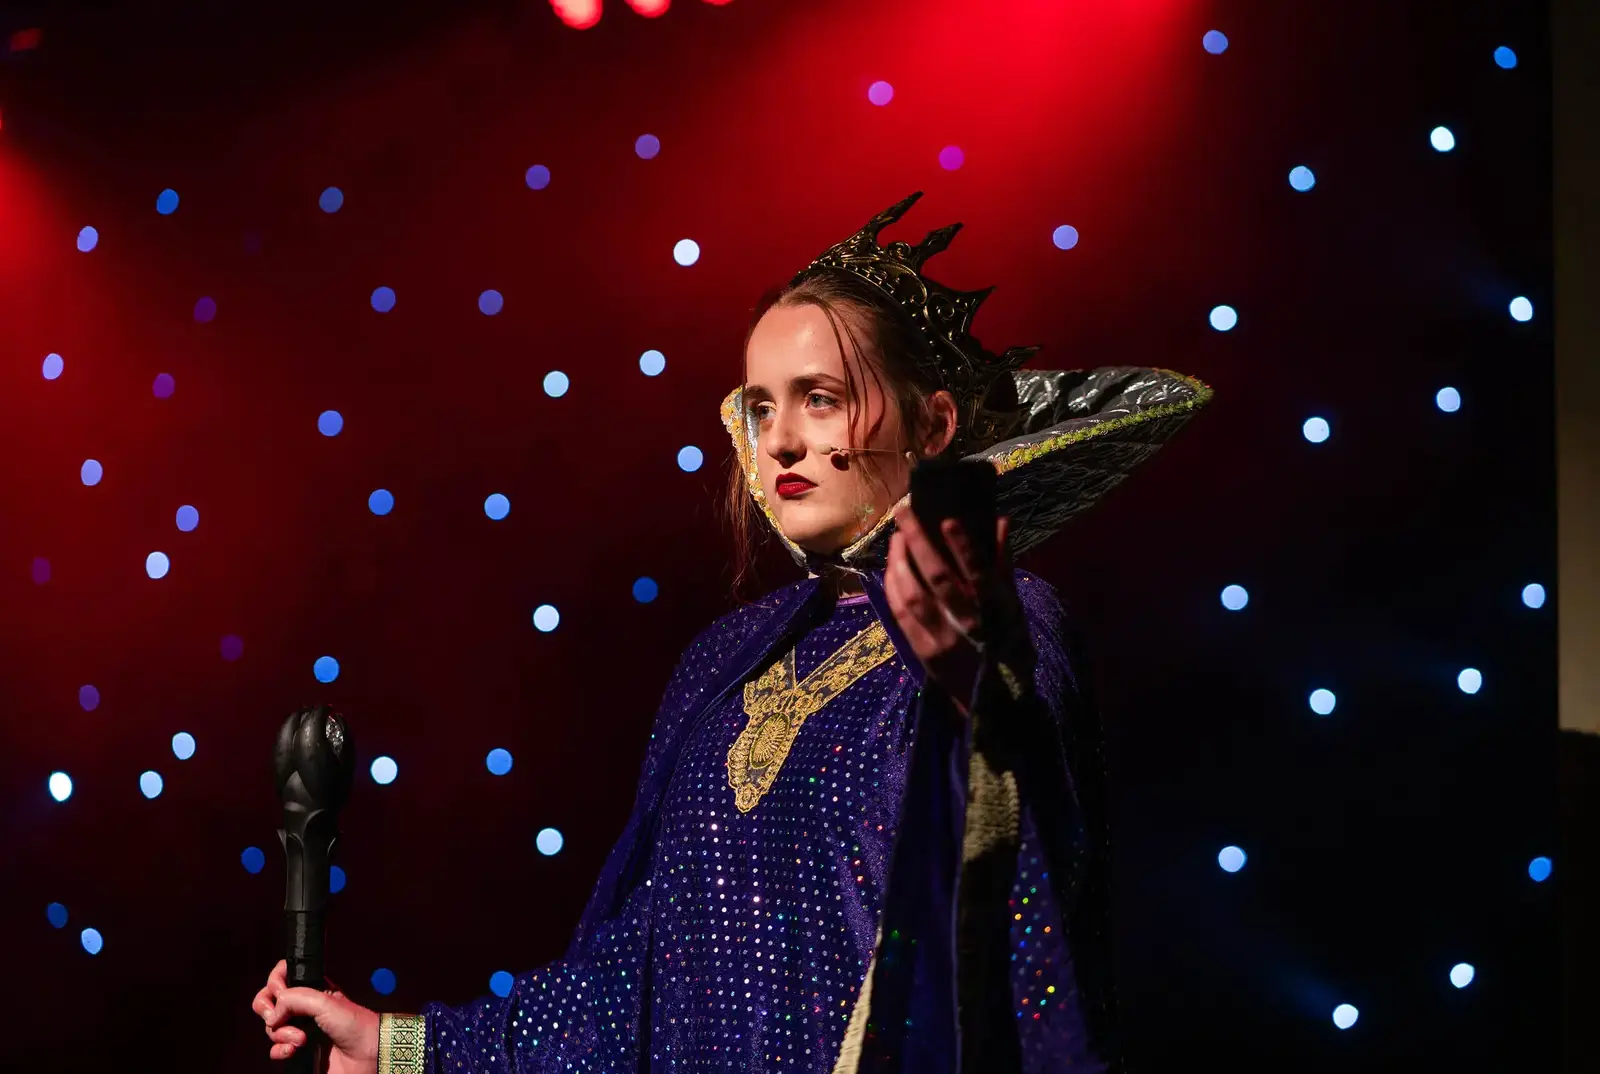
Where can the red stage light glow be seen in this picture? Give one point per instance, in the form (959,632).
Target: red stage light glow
(650,8)
(578,14)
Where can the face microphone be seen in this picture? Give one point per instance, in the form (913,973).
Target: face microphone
(829,449)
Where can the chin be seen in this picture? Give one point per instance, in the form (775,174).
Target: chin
(823,536)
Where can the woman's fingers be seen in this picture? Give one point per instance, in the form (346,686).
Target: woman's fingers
(282,1051)
(286,1035)
(942,577)
(294,1001)
(908,599)
(960,545)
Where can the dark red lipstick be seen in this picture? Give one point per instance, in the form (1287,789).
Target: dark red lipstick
(792,485)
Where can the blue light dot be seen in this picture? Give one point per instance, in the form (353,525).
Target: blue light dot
(326,669)
(381,502)
(1316,430)
(384,770)
(1065,237)
(499,761)
(497,506)
(1470,680)
(500,983)
(549,841)
(150,784)
(491,302)
(92,940)
(690,458)
(1533,595)
(1301,178)
(156,565)
(88,698)
(383,299)
(1462,973)
(880,93)
(951,157)
(1322,702)
(1235,597)
(60,786)
(91,472)
(1231,859)
(537,177)
(183,745)
(188,518)
(331,199)
(546,618)
(1215,42)
(556,384)
(1223,318)
(336,880)
(1521,309)
(205,310)
(163,386)
(39,570)
(686,252)
(383,981)
(1539,869)
(1505,58)
(53,365)
(88,239)
(56,914)
(1448,400)
(1441,139)
(645,590)
(330,423)
(1344,1016)
(647,146)
(167,202)
(232,647)
(651,363)
(254,859)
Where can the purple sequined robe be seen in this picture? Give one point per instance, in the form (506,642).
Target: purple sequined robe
(725,939)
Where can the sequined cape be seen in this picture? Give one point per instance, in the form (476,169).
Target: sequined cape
(594,1006)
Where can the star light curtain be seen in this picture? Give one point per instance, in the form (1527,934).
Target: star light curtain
(582,14)
(1231,321)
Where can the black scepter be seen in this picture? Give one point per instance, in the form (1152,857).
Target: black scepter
(315,763)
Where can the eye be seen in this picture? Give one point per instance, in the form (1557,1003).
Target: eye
(758,411)
(827,400)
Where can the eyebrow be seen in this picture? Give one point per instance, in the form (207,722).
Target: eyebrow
(797,385)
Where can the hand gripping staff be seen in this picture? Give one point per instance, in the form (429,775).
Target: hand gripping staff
(314,760)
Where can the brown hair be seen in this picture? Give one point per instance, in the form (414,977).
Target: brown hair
(886,348)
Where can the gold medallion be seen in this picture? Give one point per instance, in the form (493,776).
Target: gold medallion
(777,705)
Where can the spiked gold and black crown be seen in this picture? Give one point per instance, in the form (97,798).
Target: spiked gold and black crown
(980,380)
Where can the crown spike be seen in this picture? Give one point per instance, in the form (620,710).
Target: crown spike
(943,315)
(891,214)
(936,242)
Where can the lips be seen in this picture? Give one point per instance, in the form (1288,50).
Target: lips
(792,485)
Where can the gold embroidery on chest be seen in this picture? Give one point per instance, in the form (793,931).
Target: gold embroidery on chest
(777,705)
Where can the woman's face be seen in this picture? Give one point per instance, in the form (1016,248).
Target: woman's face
(795,398)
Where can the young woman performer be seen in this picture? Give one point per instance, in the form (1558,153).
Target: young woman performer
(867,836)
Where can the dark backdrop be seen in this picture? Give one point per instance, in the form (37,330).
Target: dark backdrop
(1386,842)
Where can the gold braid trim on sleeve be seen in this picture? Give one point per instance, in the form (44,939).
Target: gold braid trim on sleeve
(402,1044)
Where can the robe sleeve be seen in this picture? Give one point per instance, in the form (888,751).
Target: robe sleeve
(1059,951)
(1021,895)
(582,1010)
(985,950)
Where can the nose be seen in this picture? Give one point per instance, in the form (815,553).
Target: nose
(783,440)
